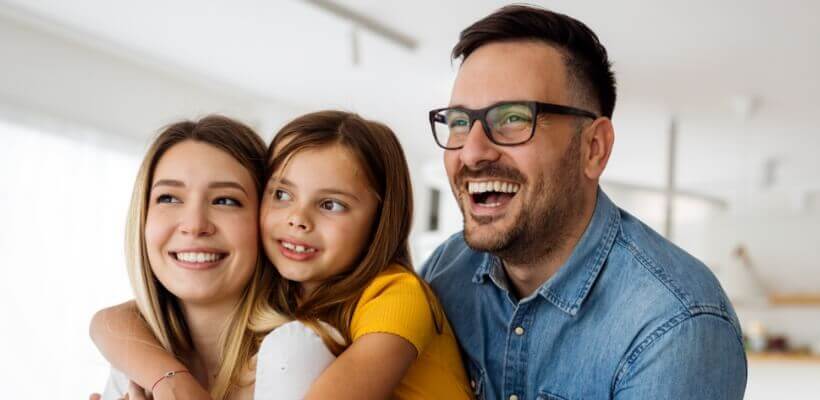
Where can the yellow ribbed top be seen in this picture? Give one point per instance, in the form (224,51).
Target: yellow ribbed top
(395,303)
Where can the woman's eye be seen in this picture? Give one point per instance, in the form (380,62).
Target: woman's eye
(227,201)
(167,198)
(333,205)
(281,195)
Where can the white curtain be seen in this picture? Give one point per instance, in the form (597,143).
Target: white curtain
(63,205)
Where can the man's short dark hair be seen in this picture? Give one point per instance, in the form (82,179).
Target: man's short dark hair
(588,68)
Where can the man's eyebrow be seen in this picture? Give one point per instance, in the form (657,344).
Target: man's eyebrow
(286,182)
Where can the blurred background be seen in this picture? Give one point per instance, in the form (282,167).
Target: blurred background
(716,143)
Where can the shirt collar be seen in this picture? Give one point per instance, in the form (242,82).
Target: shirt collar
(570,286)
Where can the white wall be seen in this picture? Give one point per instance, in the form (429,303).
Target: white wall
(62,75)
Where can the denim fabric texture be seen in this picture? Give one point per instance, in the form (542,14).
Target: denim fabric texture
(628,316)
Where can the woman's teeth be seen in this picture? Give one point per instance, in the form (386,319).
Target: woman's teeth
(297,248)
(198,257)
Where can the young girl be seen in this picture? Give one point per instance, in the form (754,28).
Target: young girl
(335,220)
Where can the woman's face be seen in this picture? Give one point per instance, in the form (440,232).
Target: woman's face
(201,227)
(317,214)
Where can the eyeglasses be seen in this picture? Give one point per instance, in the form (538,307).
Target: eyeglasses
(507,123)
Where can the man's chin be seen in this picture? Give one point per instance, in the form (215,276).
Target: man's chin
(483,234)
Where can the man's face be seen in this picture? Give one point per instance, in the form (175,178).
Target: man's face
(534,188)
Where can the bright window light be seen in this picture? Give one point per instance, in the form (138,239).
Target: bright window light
(63,208)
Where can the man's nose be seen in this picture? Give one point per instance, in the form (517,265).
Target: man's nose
(478,150)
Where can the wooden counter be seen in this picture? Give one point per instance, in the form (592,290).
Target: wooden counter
(788,357)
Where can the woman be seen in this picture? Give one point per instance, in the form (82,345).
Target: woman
(192,251)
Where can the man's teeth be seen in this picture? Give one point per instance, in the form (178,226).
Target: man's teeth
(492,186)
(297,248)
(198,257)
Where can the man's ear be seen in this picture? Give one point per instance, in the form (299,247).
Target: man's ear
(599,138)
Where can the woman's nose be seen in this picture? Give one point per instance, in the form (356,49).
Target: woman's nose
(195,222)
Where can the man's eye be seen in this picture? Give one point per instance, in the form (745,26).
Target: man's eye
(227,201)
(167,198)
(281,195)
(513,118)
(458,123)
(333,205)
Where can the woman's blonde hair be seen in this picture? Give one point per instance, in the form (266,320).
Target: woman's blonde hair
(161,309)
(382,158)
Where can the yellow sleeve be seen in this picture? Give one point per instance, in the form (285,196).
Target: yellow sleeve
(395,303)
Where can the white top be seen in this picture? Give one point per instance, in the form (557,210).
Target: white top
(289,360)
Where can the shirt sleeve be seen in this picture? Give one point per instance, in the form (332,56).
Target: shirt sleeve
(395,303)
(116,387)
(698,358)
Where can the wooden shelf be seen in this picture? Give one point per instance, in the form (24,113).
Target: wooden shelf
(797,299)
(789,357)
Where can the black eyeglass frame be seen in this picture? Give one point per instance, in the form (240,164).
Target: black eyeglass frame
(536,107)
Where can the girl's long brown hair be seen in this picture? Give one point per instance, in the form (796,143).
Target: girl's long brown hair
(382,158)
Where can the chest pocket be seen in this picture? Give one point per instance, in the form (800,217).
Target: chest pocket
(476,379)
(549,396)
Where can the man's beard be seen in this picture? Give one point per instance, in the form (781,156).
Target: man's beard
(543,222)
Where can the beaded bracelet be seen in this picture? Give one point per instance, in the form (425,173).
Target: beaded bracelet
(168,374)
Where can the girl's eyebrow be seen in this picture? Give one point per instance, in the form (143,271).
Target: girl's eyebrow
(336,191)
(212,185)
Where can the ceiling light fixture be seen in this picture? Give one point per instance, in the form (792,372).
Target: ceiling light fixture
(373,25)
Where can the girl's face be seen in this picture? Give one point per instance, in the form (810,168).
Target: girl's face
(317,214)
(201,231)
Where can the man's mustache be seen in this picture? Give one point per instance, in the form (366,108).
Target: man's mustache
(490,171)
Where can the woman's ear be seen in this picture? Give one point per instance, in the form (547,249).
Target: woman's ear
(599,138)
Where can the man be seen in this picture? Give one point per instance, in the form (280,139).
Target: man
(554,292)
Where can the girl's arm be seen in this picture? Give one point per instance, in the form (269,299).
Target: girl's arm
(127,343)
(371,368)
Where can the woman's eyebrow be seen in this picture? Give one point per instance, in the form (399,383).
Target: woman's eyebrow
(212,185)
(168,182)
(227,184)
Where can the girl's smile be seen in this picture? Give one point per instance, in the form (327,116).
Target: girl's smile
(296,250)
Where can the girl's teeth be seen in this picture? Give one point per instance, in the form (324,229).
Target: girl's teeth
(298,248)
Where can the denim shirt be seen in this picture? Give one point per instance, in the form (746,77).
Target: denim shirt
(628,316)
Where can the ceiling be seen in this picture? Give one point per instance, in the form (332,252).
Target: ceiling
(740,77)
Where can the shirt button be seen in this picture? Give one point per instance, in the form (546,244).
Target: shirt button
(472,384)
(513,397)
(519,331)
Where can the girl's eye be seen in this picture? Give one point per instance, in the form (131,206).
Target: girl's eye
(167,198)
(333,205)
(227,201)
(281,195)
